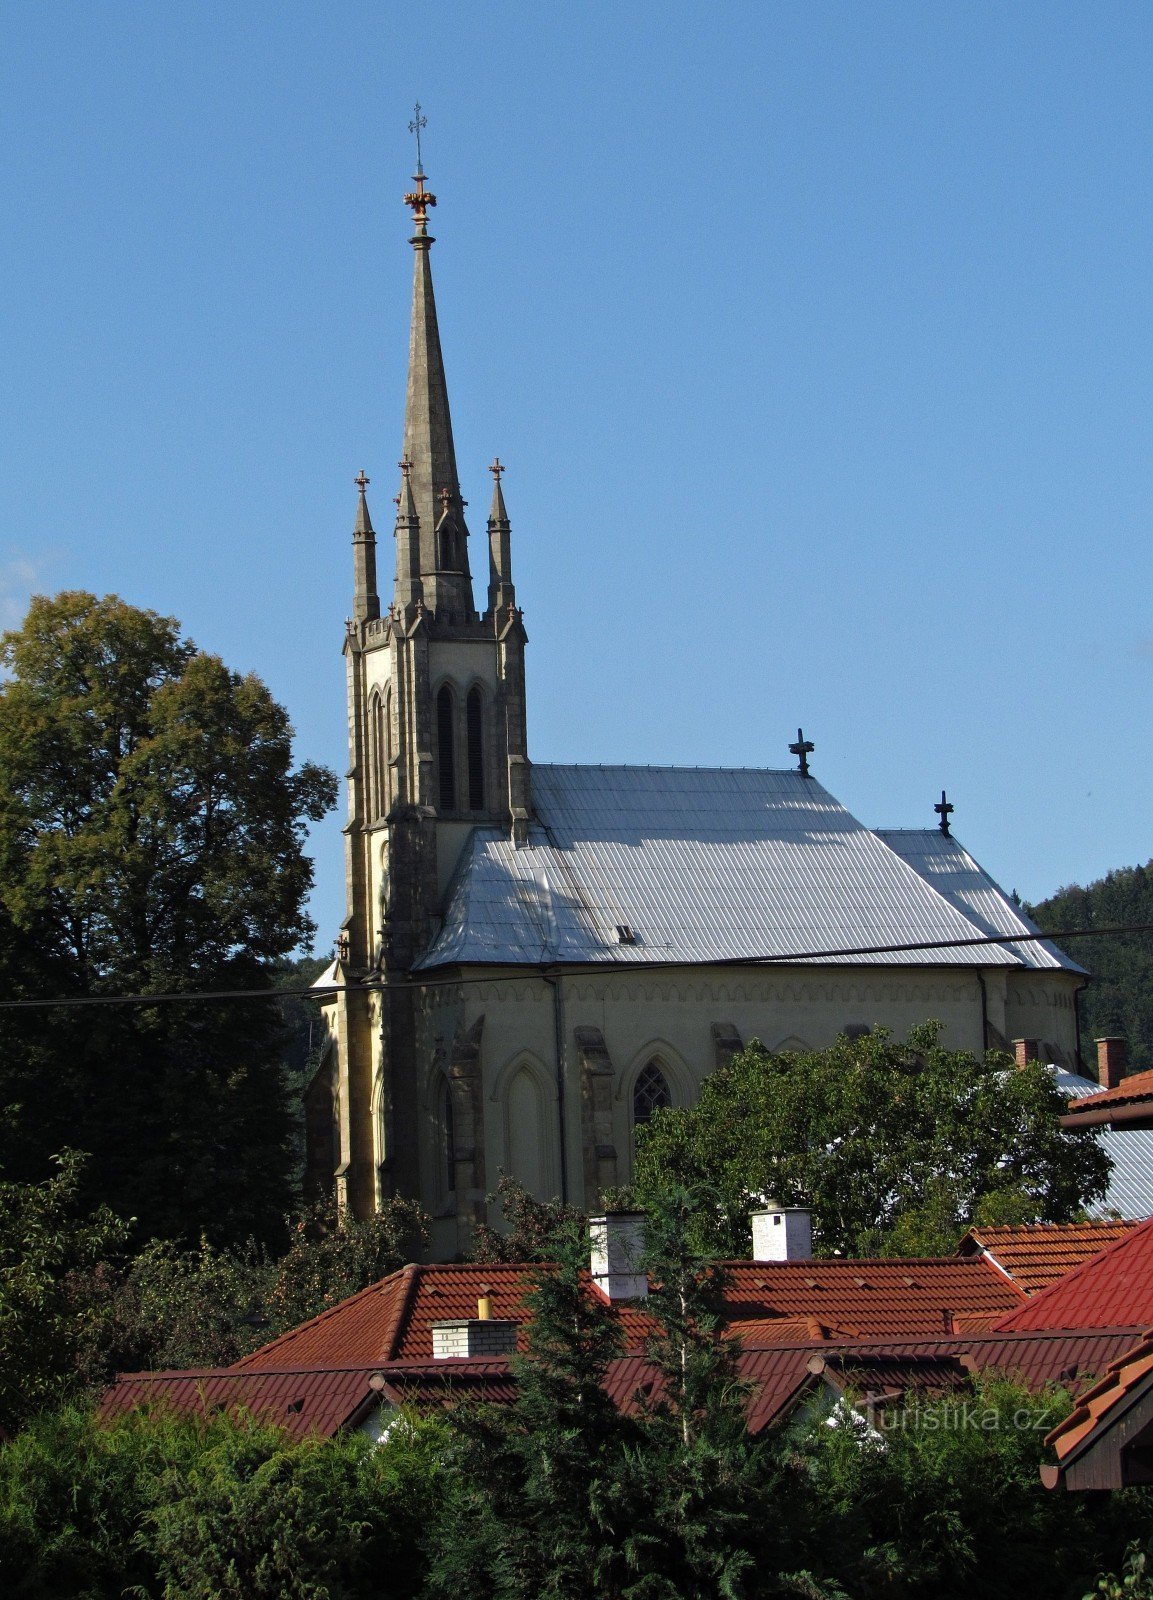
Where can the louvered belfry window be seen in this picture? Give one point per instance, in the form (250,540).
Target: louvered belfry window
(650,1093)
(446,748)
(474,720)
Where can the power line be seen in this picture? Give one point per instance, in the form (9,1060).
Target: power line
(511,974)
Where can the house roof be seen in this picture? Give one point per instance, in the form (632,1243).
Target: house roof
(1040,1252)
(708,865)
(322,1400)
(1130,1191)
(1136,1089)
(392,1320)
(1101,1407)
(1113,1287)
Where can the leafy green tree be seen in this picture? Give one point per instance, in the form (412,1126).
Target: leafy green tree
(152,832)
(532,1509)
(1119,1000)
(895,1147)
(534,1229)
(55,1287)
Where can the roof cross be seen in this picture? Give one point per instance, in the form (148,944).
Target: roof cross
(361,481)
(405,466)
(418,122)
(803,749)
(944,811)
(497,469)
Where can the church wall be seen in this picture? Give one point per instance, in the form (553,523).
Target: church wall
(671,1016)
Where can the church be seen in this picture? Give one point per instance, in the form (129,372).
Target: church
(535,958)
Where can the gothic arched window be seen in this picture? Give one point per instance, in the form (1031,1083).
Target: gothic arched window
(379,800)
(446,748)
(474,727)
(650,1093)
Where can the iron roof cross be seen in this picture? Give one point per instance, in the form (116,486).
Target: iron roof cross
(944,811)
(418,122)
(361,481)
(803,749)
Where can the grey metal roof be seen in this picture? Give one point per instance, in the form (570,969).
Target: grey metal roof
(702,865)
(949,868)
(1130,1192)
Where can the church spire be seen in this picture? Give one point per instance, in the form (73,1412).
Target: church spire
(500,590)
(408,585)
(366,601)
(428,435)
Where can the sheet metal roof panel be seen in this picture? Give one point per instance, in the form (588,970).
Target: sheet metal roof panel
(949,869)
(1130,1192)
(702,865)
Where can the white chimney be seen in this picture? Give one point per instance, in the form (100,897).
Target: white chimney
(617,1243)
(782,1233)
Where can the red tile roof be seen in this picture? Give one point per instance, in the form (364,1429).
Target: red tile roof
(1103,1404)
(1138,1086)
(392,1320)
(323,1401)
(1114,1287)
(1040,1252)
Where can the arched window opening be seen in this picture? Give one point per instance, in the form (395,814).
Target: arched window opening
(446,751)
(379,780)
(386,783)
(446,560)
(449,1139)
(650,1093)
(474,719)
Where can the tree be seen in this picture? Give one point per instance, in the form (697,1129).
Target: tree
(55,1285)
(531,1509)
(895,1147)
(534,1229)
(151,842)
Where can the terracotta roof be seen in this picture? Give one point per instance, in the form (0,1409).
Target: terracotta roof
(1138,1086)
(303,1402)
(1040,1252)
(1105,1402)
(392,1320)
(1114,1287)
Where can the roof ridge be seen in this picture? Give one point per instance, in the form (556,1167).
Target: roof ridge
(1074,1274)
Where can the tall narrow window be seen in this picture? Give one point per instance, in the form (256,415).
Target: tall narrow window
(379,760)
(446,747)
(650,1093)
(449,1141)
(474,719)
(386,784)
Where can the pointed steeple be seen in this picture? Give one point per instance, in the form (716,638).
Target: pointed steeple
(409,588)
(366,601)
(428,440)
(500,590)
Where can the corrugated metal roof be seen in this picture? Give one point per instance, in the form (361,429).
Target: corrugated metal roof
(701,865)
(949,868)
(1130,1192)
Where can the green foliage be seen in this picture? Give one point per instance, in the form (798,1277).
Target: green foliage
(897,1148)
(530,1509)
(215,1506)
(1120,998)
(534,1229)
(55,1283)
(151,841)
(947,1502)
(694,1471)
(1134,1583)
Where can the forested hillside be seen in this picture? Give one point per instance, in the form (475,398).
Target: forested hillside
(1120,998)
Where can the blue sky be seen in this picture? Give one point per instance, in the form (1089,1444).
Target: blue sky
(816,339)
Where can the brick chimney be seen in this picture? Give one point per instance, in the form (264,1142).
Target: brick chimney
(782,1233)
(1112,1062)
(617,1242)
(1026,1050)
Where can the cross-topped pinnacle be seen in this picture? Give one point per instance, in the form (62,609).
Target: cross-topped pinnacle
(361,481)
(944,811)
(803,749)
(497,469)
(445,497)
(418,122)
(405,466)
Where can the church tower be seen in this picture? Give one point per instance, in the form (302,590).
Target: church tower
(436,723)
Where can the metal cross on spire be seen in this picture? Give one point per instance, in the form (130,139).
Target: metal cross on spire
(418,122)
(362,482)
(803,749)
(944,811)
(496,469)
